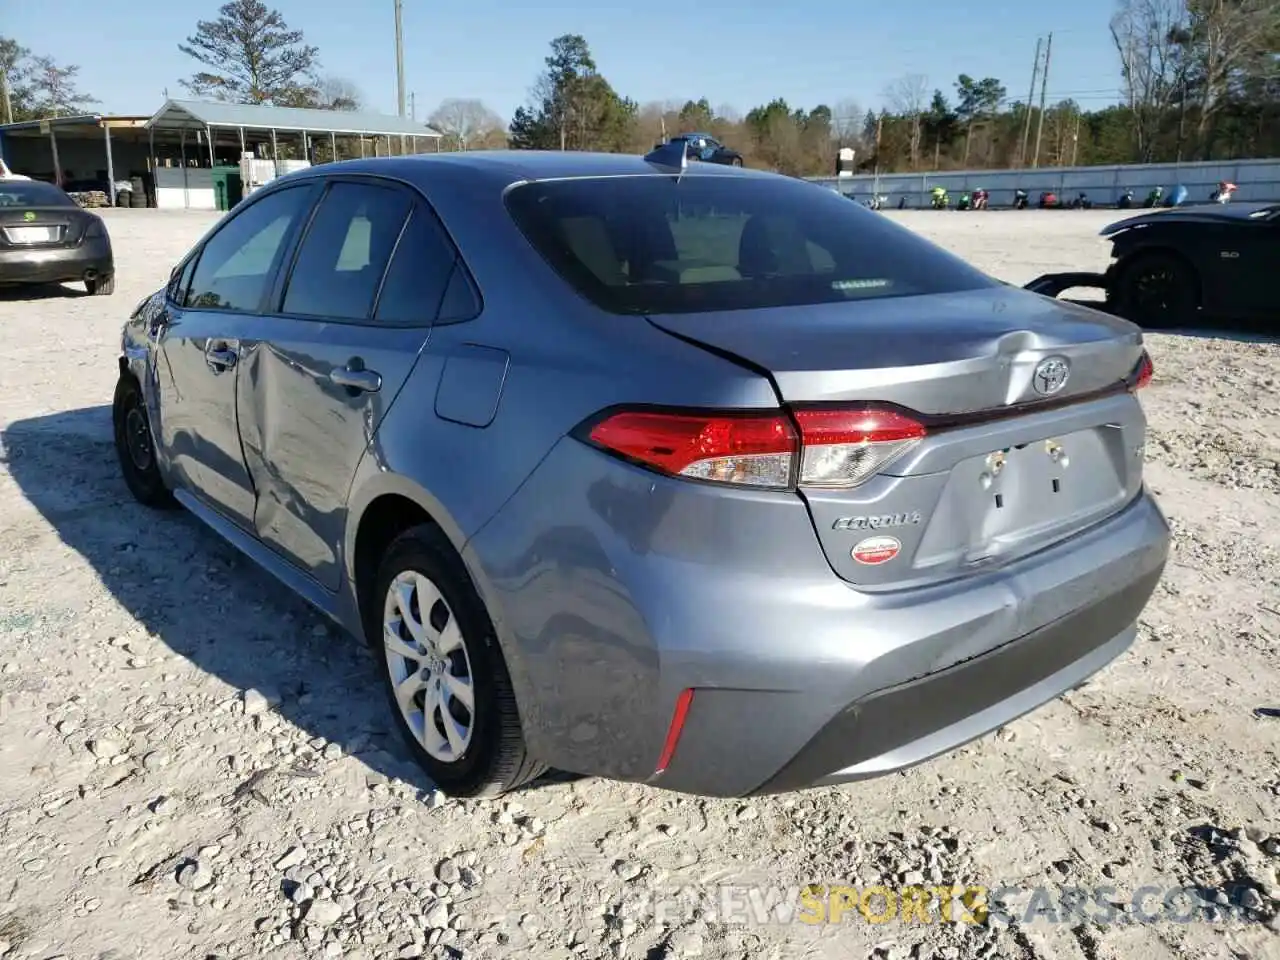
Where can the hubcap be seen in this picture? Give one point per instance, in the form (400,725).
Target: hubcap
(137,438)
(429,666)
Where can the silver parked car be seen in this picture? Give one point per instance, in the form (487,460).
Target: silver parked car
(707,479)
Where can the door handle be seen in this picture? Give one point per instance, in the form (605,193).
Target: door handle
(220,356)
(356,378)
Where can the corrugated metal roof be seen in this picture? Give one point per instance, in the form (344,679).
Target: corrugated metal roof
(196,114)
(80,120)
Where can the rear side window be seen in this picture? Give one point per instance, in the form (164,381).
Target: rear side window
(345,251)
(652,244)
(238,263)
(418,275)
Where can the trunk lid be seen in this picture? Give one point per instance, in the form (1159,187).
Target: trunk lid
(41,226)
(991,481)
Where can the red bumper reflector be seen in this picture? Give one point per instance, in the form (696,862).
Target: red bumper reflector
(683,702)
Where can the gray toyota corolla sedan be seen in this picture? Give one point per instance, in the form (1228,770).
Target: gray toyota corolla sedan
(703,478)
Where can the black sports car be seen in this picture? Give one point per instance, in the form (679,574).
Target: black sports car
(706,148)
(46,237)
(1173,266)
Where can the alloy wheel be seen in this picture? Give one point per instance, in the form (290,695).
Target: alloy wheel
(429,666)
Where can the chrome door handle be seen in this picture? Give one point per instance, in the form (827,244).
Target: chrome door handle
(220,357)
(357,379)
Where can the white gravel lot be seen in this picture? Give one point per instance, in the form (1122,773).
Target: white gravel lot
(149,808)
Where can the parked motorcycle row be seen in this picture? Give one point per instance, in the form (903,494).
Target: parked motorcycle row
(979,199)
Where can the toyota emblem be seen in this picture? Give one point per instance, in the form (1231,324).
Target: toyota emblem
(1050,375)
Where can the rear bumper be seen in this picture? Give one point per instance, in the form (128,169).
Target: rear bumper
(614,590)
(90,258)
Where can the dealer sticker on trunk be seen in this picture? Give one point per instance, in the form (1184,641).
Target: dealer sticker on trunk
(875,550)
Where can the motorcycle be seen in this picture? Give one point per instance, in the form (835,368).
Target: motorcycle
(940,199)
(1224,192)
(1081,202)
(980,199)
(1049,200)
(1126,200)
(966,202)
(1154,197)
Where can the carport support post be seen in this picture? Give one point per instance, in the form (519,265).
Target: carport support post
(275,155)
(333,147)
(241,129)
(111,170)
(208,132)
(57,164)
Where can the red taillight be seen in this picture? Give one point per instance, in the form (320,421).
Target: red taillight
(678,717)
(834,448)
(753,450)
(1143,374)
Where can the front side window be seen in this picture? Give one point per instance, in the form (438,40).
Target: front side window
(654,244)
(238,263)
(345,251)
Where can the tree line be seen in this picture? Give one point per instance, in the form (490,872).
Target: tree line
(1198,80)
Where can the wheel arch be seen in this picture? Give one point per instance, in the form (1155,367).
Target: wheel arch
(384,506)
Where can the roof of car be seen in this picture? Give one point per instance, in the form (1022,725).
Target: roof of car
(513,166)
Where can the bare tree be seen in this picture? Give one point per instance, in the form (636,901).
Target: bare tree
(909,96)
(53,88)
(338,93)
(467,124)
(1147,36)
(1222,38)
(846,122)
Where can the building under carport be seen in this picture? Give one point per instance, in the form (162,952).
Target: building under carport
(189,153)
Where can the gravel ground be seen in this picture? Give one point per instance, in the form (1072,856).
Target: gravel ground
(193,765)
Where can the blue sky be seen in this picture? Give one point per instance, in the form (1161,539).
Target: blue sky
(743,54)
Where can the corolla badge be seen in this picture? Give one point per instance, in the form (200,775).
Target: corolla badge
(1050,375)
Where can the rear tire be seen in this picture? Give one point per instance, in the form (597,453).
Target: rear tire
(1158,290)
(736,162)
(101,286)
(135,446)
(436,640)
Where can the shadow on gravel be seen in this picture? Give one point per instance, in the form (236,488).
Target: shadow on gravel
(43,291)
(204,600)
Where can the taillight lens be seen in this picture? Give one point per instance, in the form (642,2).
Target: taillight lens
(833,448)
(1143,373)
(842,448)
(755,451)
(95,229)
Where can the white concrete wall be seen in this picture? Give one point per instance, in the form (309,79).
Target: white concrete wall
(1258,180)
(185,188)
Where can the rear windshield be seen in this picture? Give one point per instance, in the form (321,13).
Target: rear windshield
(32,193)
(650,244)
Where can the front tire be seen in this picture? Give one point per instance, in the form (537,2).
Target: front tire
(445,676)
(736,161)
(135,446)
(1158,290)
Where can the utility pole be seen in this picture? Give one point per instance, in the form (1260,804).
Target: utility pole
(1075,140)
(1026,126)
(399,57)
(1044,90)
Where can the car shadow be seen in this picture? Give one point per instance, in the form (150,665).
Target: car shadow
(197,595)
(42,291)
